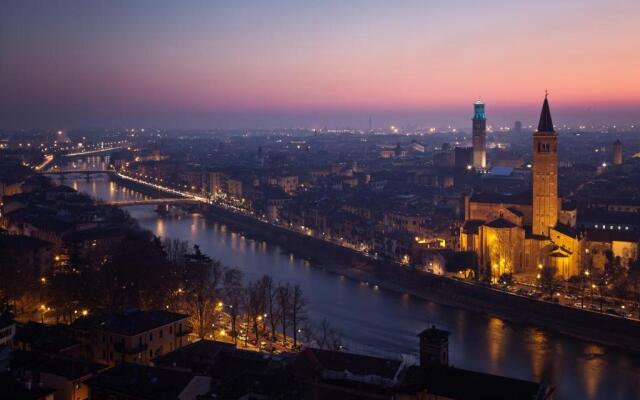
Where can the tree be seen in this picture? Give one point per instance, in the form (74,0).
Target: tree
(175,250)
(600,284)
(126,281)
(486,273)
(634,280)
(233,295)
(618,278)
(18,274)
(324,336)
(283,296)
(271,299)
(506,279)
(255,306)
(298,311)
(202,282)
(548,279)
(63,293)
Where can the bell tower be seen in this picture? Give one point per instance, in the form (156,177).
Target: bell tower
(479,136)
(545,174)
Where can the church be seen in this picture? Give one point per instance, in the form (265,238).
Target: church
(523,233)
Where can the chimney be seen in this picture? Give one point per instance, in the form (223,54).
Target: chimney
(434,347)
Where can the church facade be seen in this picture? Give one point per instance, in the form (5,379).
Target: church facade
(521,234)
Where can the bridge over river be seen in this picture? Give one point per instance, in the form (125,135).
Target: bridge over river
(124,203)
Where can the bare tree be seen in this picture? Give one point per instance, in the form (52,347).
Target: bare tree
(298,311)
(271,305)
(283,296)
(324,336)
(175,250)
(233,295)
(255,307)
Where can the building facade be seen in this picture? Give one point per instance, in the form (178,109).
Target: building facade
(134,337)
(479,136)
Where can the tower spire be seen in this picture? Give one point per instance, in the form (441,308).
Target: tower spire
(545,124)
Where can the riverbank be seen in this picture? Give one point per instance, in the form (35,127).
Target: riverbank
(140,187)
(582,324)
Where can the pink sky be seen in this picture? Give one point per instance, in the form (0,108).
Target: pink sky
(73,63)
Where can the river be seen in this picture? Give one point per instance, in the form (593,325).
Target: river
(380,322)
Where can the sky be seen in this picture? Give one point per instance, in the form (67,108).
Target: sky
(330,63)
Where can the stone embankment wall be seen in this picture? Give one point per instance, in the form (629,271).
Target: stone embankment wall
(598,327)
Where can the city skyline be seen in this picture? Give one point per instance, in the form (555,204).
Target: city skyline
(298,199)
(299,64)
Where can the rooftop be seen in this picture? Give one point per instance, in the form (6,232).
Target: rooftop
(142,382)
(131,323)
(434,333)
(524,198)
(501,223)
(460,384)
(356,364)
(46,338)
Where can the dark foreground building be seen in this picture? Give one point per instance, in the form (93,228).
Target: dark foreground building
(214,370)
(334,375)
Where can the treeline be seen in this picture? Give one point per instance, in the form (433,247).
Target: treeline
(140,271)
(262,312)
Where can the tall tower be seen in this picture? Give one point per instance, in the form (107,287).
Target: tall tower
(517,127)
(434,347)
(479,136)
(617,152)
(545,174)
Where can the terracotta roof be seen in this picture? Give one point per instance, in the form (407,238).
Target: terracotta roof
(501,223)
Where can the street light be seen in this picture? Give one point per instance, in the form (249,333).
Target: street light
(43,310)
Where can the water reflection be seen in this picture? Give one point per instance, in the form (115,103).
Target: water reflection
(591,369)
(380,322)
(496,343)
(538,351)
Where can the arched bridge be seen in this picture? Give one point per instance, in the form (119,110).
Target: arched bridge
(78,171)
(123,203)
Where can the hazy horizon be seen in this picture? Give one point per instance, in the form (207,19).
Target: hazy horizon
(203,65)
